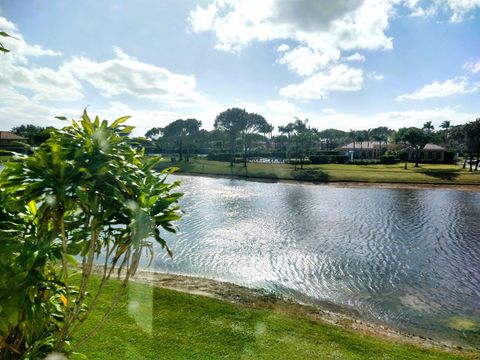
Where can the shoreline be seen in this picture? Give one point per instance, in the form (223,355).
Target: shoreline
(343,184)
(323,311)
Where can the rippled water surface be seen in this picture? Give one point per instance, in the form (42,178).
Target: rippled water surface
(408,258)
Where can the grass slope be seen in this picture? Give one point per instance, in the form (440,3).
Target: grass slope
(155,323)
(426,173)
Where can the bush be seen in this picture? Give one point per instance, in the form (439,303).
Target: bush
(226,157)
(328,159)
(364,162)
(86,191)
(315,175)
(388,159)
(297,162)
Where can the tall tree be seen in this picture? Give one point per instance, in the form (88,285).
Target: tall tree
(446,125)
(231,121)
(380,134)
(35,135)
(428,127)
(416,140)
(182,133)
(472,139)
(288,130)
(252,124)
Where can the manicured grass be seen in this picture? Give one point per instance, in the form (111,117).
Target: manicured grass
(426,173)
(154,323)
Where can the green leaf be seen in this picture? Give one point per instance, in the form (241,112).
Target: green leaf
(119,121)
(72,260)
(63,118)
(32,206)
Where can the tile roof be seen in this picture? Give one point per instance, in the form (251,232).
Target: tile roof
(8,135)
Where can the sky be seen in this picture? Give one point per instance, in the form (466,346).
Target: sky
(350,64)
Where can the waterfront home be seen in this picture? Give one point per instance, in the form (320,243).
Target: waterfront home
(374,149)
(366,149)
(10,141)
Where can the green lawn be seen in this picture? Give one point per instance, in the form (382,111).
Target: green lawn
(426,173)
(155,323)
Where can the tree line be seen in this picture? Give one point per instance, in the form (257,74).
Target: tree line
(239,135)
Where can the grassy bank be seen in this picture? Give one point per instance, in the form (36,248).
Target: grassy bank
(426,173)
(155,323)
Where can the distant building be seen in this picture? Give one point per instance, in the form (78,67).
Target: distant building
(374,149)
(366,149)
(10,141)
(430,153)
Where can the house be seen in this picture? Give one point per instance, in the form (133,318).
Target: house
(10,141)
(374,149)
(430,153)
(366,149)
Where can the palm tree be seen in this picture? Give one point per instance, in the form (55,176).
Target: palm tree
(428,126)
(446,125)
(352,134)
(288,131)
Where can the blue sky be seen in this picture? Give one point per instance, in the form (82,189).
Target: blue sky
(349,64)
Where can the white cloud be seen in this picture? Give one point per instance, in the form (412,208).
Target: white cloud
(391,119)
(127,75)
(45,83)
(352,23)
(472,67)
(355,57)
(321,30)
(458,85)
(20,50)
(281,106)
(17,109)
(338,78)
(305,61)
(18,72)
(329,111)
(375,76)
(457,9)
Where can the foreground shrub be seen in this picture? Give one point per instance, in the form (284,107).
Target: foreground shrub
(315,175)
(86,191)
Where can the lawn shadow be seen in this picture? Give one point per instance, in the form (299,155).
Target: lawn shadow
(441,175)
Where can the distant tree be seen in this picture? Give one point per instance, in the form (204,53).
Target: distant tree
(154,133)
(456,140)
(331,137)
(182,133)
(352,135)
(35,135)
(304,136)
(380,134)
(362,136)
(446,125)
(231,121)
(288,130)
(252,124)
(416,140)
(472,139)
(428,127)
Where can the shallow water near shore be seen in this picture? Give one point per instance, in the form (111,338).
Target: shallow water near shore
(408,258)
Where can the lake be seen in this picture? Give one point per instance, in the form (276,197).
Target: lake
(404,257)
